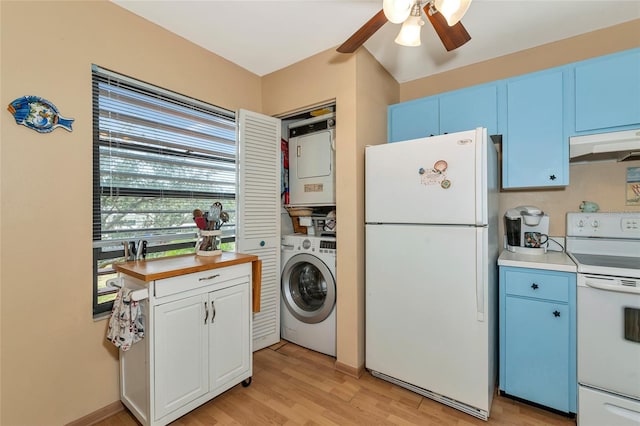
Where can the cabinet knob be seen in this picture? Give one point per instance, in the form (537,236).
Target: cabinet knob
(262,243)
(534,286)
(552,177)
(556,314)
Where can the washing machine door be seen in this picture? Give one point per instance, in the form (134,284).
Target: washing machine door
(308,288)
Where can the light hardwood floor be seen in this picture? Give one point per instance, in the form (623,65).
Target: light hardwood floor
(295,386)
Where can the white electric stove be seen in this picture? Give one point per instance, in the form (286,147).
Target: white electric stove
(606,250)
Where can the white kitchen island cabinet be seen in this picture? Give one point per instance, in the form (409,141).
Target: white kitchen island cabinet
(197,340)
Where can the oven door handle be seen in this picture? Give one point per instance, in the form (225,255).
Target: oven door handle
(610,287)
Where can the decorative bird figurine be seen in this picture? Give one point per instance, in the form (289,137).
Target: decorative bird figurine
(589,207)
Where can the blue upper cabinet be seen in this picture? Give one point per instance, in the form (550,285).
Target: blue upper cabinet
(535,146)
(413,119)
(450,112)
(469,108)
(607,92)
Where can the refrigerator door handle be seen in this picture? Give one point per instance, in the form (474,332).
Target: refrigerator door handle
(481,176)
(480,262)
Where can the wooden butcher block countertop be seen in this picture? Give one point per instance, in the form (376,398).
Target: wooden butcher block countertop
(167,267)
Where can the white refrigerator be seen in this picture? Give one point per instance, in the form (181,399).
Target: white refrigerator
(431,273)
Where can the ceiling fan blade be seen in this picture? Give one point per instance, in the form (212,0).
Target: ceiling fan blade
(452,37)
(367,30)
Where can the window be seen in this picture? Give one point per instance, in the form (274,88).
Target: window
(157,156)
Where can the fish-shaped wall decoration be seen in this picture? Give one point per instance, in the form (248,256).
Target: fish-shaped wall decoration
(38,114)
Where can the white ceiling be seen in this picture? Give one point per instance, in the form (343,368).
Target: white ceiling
(267,35)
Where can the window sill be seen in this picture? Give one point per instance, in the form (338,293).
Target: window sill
(101,316)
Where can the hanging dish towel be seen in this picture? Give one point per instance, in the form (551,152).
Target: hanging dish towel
(126,325)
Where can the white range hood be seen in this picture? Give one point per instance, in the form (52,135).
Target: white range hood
(618,146)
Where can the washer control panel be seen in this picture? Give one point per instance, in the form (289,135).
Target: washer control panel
(304,243)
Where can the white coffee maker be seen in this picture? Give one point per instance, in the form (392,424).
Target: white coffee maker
(527,230)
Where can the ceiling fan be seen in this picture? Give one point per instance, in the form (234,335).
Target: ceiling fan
(444,15)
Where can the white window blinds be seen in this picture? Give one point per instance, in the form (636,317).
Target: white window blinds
(157,155)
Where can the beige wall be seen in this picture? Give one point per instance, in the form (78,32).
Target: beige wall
(54,356)
(361,120)
(603,183)
(56,364)
(375,90)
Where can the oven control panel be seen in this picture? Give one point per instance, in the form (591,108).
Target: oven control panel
(604,225)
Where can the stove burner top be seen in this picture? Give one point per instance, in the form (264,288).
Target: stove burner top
(619,266)
(608,261)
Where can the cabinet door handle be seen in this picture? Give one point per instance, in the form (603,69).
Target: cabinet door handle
(556,314)
(209,277)
(206,310)
(534,286)
(213,311)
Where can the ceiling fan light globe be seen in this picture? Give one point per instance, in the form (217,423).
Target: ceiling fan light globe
(452,10)
(397,11)
(409,34)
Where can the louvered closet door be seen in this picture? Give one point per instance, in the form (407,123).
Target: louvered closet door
(258,218)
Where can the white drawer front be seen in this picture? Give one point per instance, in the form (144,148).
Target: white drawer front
(169,286)
(597,408)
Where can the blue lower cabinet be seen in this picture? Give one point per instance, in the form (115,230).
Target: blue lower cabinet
(538,336)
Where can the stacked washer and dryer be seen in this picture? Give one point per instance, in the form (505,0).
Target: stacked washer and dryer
(308,283)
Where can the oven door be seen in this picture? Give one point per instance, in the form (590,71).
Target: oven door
(609,334)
